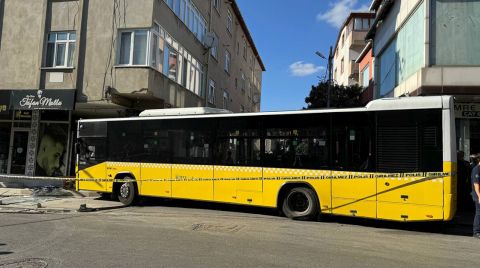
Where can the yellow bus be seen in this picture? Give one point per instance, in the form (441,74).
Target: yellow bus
(393,159)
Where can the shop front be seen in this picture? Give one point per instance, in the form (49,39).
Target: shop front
(35,138)
(468,127)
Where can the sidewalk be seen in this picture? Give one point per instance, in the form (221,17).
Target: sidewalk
(51,200)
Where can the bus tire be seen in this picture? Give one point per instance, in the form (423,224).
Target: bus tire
(300,203)
(128,193)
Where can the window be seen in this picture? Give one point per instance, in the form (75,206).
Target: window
(365,76)
(245,49)
(169,57)
(172,64)
(243,81)
(238,142)
(191,140)
(189,14)
(214,48)
(342,65)
(60,49)
(357,24)
(133,47)
(211,92)
(226,98)
(216,4)
(343,39)
(229,21)
(362,24)
(352,147)
(227,61)
(296,141)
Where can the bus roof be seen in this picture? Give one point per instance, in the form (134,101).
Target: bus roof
(385,104)
(183,111)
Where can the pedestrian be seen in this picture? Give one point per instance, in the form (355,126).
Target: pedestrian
(476,195)
(463,183)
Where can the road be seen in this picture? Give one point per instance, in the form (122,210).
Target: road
(179,234)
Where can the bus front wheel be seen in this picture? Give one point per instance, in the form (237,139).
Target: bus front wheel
(127,193)
(300,203)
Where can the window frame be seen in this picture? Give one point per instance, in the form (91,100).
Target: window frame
(226,99)
(68,43)
(211,91)
(132,47)
(228,61)
(214,49)
(216,4)
(229,21)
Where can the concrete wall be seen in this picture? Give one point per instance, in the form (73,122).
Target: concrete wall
(22,43)
(101,43)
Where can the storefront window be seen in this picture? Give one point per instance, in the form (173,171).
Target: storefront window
(51,151)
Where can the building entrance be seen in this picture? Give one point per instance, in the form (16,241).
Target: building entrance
(18,151)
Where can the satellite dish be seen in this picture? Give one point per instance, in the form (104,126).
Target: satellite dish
(210,40)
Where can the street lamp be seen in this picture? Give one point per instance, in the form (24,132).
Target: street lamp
(329,68)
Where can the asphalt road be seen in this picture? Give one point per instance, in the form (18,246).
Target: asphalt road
(179,234)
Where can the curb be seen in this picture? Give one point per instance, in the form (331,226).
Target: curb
(19,210)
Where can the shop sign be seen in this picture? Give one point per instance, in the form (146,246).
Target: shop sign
(467,110)
(42,99)
(4,100)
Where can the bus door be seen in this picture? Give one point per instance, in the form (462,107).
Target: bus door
(297,152)
(156,166)
(353,187)
(92,152)
(238,172)
(191,143)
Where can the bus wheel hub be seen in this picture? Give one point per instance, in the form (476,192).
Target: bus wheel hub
(124,190)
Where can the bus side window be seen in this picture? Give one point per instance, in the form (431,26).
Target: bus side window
(238,142)
(296,141)
(155,142)
(352,149)
(191,140)
(124,142)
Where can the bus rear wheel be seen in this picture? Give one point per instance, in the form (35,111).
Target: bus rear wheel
(300,203)
(127,193)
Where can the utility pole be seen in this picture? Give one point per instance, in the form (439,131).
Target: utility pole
(330,75)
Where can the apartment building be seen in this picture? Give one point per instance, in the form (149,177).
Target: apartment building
(366,66)
(430,47)
(349,45)
(70,59)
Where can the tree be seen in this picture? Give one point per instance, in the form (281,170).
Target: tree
(340,96)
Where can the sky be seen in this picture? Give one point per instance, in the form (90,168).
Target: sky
(287,33)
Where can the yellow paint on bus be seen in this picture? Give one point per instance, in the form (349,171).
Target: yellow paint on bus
(397,197)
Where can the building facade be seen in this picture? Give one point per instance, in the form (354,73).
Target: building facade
(366,65)
(70,59)
(349,45)
(430,47)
